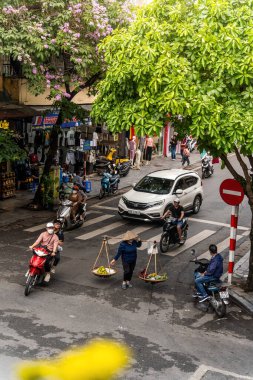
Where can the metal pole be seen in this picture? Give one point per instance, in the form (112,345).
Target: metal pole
(232,241)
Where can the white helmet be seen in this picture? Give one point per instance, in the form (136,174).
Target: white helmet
(50,225)
(177,200)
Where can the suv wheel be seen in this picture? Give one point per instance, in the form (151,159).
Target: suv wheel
(196,204)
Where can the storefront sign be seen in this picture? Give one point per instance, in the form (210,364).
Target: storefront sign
(4,124)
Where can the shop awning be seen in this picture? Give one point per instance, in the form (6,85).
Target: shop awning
(16,111)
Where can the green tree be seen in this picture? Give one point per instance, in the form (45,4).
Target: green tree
(188,58)
(55,44)
(9,149)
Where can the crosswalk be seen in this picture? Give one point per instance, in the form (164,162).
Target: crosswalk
(102,223)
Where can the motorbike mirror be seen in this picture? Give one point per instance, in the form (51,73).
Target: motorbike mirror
(193,252)
(133,184)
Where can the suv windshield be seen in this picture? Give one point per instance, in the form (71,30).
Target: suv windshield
(154,185)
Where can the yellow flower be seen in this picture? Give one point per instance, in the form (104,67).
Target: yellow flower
(99,360)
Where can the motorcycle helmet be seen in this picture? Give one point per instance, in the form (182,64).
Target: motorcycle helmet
(50,225)
(213,248)
(75,187)
(176,200)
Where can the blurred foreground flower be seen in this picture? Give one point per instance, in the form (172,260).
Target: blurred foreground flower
(99,360)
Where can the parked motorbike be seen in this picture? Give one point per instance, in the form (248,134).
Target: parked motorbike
(36,272)
(109,184)
(101,164)
(218,292)
(191,143)
(207,166)
(170,235)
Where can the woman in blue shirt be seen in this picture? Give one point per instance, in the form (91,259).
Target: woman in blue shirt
(128,252)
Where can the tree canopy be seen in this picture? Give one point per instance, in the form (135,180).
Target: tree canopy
(188,58)
(55,41)
(9,149)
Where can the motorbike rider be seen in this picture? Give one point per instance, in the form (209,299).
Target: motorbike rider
(78,198)
(177,212)
(78,180)
(50,241)
(212,273)
(209,159)
(59,232)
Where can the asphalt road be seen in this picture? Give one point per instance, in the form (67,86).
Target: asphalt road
(171,337)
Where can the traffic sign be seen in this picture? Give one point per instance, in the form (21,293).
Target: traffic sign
(231,192)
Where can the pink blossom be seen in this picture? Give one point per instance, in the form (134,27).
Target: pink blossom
(53,41)
(77,35)
(78,60)
(56,87)
(34,70)
(58,97)
(46,46)
(66,95)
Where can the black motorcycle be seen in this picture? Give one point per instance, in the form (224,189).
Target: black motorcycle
(170,235)
(207,167)
(217,291)
(122,168)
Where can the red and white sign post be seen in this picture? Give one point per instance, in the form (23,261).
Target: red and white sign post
(232,193)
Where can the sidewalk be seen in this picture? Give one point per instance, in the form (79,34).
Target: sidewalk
(238,295)
(14,209)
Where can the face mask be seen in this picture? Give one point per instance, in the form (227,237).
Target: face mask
(50,231)
(74,192)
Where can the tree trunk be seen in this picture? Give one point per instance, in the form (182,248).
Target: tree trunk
(249,283)
(53,145)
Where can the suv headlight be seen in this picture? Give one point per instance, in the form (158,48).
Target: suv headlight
(158,203)
(124,200)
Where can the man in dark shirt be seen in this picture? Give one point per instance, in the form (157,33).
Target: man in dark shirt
(177,212)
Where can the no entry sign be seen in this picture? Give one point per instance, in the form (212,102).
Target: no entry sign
(231,192)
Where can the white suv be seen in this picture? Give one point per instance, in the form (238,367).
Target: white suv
(154,194)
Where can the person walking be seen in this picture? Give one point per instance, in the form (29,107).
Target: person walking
(128,252)
(186,156)
(149,144)
(173,147)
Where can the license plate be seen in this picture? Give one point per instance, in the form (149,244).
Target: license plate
(134,212)
(224,295)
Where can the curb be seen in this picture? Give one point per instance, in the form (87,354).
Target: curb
(239,300)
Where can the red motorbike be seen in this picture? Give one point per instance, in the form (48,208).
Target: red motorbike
(36,272)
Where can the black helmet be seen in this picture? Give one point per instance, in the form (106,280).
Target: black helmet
(213,248)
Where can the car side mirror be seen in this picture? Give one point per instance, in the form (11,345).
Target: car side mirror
(179,192)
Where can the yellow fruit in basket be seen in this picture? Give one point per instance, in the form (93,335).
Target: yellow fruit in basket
(102,270)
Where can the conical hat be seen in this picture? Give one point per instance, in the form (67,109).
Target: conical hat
(129,236)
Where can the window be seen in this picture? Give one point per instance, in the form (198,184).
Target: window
(154,185)
(179,184)
(190,181)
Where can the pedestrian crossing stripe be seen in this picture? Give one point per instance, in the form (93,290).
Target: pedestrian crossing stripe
(43,226)
(102,230)
(190,242)
(136,231)
(220,246)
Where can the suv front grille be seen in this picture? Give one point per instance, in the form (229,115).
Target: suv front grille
(136,205)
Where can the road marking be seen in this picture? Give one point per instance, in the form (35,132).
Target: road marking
(191,242)
(221,246)
(97,220)
(42,226)
(216,223)
(137,231)
(106,207)
(100,231)
(109,200)
(203,369)
(152,238)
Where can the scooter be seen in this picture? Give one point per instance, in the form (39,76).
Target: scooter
(191,143)
(36,272)
(64,211)
(207,166)
(109,184)
(218,292)
(102,164)
(170,235)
